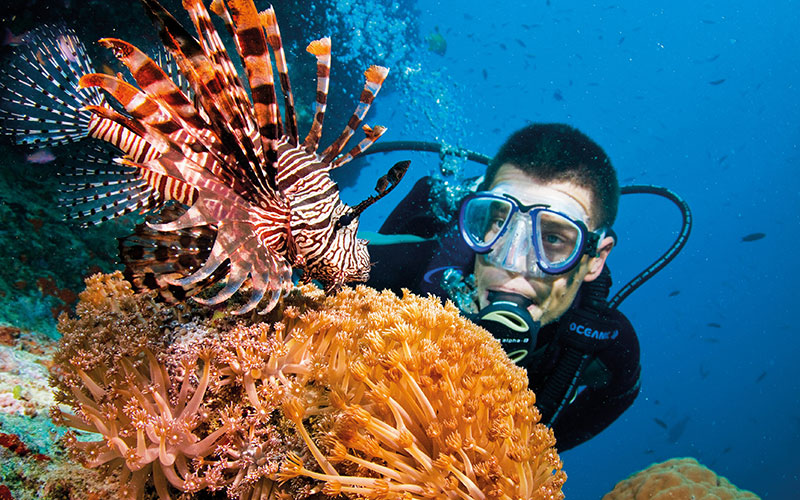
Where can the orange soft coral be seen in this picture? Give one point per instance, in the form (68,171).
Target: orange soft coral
(677,478)
(363,394)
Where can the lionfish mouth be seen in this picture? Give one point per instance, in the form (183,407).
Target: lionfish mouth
(234,197)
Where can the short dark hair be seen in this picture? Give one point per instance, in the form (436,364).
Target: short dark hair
(557,152)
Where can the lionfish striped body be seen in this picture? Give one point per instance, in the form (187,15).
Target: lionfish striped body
(239,197)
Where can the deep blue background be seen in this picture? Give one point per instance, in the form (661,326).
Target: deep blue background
(637,78)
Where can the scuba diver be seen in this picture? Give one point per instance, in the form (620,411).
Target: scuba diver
(524,256)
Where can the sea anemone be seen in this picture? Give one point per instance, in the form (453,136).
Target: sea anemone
(363,394)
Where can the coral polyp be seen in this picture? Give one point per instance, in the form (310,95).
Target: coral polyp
(363,394)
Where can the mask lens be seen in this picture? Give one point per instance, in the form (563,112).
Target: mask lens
(557,239)
(483,219)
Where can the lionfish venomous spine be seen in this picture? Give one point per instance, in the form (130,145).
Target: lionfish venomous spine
(239,199)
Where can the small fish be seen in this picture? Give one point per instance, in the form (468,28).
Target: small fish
(485,74)
(621,39)
(712,58)
(660,423)
(521,43)
(105,68)
(674,293)
(704,373)
(707,21)
(9,39)
(677,430)
(503,46)
(716,82)
(753,237)
(558,96)
(714,325)
(721,159)
(436,42)
(41,157)
(761,377)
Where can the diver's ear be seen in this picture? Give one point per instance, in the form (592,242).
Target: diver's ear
(596,263)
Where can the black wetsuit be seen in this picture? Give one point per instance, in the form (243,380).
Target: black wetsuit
(605,389)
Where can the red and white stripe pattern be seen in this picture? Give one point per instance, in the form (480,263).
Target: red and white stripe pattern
(239,169)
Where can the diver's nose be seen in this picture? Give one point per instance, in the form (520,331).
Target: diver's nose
(515,249)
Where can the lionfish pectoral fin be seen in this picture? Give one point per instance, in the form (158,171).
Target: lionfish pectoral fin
(217,257)
(41,104)
(238,274)
(191,218)
(252,302)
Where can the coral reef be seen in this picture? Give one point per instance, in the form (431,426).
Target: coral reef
(677,478)
(362,394)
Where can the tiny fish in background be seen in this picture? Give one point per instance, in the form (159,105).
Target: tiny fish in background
(558,96)
(716,82)
(660,423)
(40,157)
(10,39)
(674,293)
(677,430)
(714,325)
(761,377)
(753,236)
(436,42)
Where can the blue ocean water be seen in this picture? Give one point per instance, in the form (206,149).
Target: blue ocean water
(700,97)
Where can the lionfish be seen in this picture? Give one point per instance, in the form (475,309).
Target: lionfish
(231,191)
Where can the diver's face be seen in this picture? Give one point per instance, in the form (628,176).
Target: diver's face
(551,294)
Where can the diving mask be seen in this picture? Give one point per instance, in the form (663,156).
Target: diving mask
(529,239)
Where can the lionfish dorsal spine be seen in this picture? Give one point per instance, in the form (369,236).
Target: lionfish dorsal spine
(371,134)
(211,88)
(321,49)
(252,200)
(270,24)
(375,76)
(252,45)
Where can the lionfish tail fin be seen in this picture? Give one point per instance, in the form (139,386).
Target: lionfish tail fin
(322,50)
(40,101)
(375,76)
